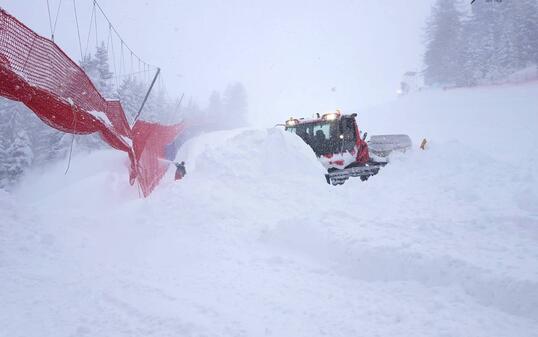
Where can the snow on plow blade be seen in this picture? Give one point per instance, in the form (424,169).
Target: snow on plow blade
(338,177)
(379,147)
(383,145)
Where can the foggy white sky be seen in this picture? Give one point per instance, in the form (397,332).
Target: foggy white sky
(288,54)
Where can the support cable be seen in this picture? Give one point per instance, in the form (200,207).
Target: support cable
(72,143)
(96,30)
(50,21)
(78,30)
(114,58)
(122,60)
(56,19)
(89,31)
(178,106)
(98,6)
(75,120)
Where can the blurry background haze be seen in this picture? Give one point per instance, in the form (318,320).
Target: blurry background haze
(293,57)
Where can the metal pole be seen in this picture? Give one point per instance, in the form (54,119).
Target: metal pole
(179,103)
(147,94)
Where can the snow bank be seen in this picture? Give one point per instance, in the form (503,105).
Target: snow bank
(95,179)
(248,155)
(253,242)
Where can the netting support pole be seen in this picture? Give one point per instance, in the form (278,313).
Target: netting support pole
(179,104)
(147,94)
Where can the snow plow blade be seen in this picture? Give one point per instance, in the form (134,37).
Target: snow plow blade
(379,147)
(339,177)
(383,145)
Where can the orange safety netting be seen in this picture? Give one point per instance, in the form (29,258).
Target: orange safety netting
(36,72)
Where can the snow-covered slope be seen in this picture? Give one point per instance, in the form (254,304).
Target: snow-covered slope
(501,121)
(253,242)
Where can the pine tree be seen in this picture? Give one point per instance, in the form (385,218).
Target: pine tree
(499,39)
(17,153)
(157,108)
(525,18)
(470,54)
(4,178)
(214,114)
(98,70)
(3,165)
(131,93)
(89,65)
(235,106)
(443,31)
(104,80)
(47,143)
(21,130)
(191,111)
(19,156)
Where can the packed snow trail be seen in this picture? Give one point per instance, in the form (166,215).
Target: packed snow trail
(253,242)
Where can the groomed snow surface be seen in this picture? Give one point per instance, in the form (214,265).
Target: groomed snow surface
(253,242)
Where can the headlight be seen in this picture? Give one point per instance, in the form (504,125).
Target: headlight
(330,116)
(291,122)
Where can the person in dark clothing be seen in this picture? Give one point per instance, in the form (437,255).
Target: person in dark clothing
(319,142)
(180,170)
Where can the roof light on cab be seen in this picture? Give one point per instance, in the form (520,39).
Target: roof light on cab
(331,116)
(291,122)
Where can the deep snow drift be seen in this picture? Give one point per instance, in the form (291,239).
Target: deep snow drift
(253,242)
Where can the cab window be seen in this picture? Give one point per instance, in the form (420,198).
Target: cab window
(324,128)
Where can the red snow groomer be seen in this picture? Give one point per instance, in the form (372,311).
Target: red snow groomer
(337,142)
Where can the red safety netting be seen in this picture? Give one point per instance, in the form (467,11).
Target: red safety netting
(148,142)
(36,72)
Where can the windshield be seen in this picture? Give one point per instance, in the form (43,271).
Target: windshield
(324,137)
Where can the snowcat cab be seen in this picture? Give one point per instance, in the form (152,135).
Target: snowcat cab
(337,142)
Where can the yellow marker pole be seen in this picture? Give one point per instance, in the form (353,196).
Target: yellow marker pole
(423,144)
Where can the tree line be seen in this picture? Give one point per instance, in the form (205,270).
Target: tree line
(494,42)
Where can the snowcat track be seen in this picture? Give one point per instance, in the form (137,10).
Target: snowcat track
(339,177)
